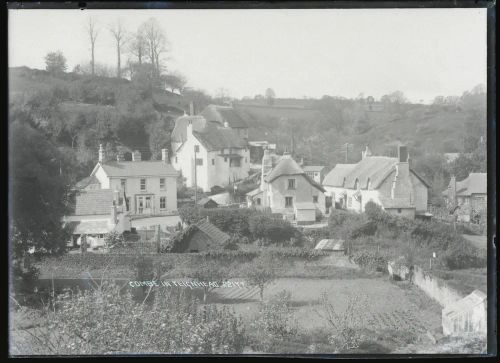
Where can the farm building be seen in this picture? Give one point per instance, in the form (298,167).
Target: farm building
(333,245)
(387,181)
(198,237)
(466,316)
(207,203)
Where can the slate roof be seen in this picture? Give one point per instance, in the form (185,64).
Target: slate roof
(254,192)
(313,168)
(216,138)
(224,113)
(475,183)
(335,178)
(330,245)
(86,182)
(288,166)
(212,232)
(466,304)
(89,227)
(205,200)
(138,168)
(92,202)
(179,132)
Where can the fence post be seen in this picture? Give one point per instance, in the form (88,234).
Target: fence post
(158,239)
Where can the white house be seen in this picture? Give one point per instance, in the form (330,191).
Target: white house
(208,154)
(142,194)
(285,188)
(387,181)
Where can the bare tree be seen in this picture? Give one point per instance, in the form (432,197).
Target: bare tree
(92,32)
(137,45)
(118,33)
(156,43)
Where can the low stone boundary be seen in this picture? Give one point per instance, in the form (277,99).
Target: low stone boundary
(435,287)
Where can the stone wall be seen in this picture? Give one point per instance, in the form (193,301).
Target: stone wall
(435,287)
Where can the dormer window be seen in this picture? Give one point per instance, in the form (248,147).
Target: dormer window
(291,183)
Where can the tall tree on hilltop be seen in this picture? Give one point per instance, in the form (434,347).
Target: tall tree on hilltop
(137,45)
(55,62)
(270,96)
(118,33)
(156,43)
(92,32)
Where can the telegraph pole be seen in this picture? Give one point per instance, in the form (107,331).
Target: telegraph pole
(195,180)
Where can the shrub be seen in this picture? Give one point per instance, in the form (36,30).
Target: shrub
(274,322)
(113,239)
(105,321)
(232,243)
(370,260)
(265,227)
(344,326)
(259,273)
(463,255)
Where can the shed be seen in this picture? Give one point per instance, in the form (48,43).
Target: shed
(305,213)
(198,237)
(333,245)
(466,316)
(207,203)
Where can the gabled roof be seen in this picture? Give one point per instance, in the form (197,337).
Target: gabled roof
(138,168)
(224,113)
(288,166)
(92,202)
(82,184)
(212,232)
(373,168)
(313,168)
(335,178)
(89,227)
(470,301)
(216,138)
(180,129)
(205,200)
(475,183)
(254,192)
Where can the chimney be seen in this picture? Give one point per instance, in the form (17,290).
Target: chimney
(189,130)
(164,156)
(102,154)
(402,154)
(226,124)
(119,156)
(452,191)
(191,108)
(267,165)
(366,153)
(136,156)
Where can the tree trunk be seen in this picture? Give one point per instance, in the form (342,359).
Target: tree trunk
(92,61)
(204,296)
(118,68)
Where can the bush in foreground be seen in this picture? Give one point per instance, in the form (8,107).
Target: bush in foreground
(103,321)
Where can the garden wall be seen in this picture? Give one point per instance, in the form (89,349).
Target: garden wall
(435,288)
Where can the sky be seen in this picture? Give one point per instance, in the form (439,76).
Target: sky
(298,53)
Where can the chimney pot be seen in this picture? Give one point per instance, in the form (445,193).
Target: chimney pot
(164,156)
(136,156)
(191,108)
(402,154)
(102,154)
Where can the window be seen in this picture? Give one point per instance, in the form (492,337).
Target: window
(213,161)
(163,202)
(291,183)
(197,148)
(123,183)
(288,202)
(246,160)
(143,184)
(100,236)
(315,199)
(349,201)
(199,161)
(235,162)
(128,204)
(399,210)
(176,159)
(225,160)
(148,202)
(258,201)
(120,201)
(162,183)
